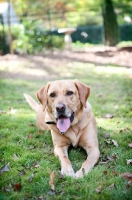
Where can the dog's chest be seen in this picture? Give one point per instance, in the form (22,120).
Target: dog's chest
(74,134)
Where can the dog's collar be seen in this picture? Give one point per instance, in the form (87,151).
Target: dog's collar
(50,122)
(72,117)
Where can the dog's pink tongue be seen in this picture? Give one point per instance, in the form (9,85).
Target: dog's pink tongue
(63,124)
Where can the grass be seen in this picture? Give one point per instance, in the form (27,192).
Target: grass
(29,150)
(125,44)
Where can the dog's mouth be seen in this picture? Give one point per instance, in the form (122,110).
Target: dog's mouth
(64,122)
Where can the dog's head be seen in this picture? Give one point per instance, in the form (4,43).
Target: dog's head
(63,99)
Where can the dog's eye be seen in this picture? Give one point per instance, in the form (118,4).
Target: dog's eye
(69,93)
(53,95)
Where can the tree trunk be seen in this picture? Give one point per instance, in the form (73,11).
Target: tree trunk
(9,30)
(111,31)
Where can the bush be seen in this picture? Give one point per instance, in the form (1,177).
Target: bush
(4,48)
(126,32)
(30,37)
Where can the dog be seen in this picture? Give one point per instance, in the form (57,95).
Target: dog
(64,111)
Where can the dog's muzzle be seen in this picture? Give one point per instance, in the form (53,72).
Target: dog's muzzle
(63,122)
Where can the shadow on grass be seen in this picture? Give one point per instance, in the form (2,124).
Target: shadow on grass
(86,58)
(50,66)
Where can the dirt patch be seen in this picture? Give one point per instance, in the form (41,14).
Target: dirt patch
(44,66)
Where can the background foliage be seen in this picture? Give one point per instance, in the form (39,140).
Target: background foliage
(39,24)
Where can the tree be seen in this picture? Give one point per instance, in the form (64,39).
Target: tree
(57,11)
(9,29)
(111,31)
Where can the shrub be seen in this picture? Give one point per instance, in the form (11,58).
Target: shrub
(30,37)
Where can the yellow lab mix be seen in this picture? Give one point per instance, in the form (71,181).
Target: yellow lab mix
(64,111)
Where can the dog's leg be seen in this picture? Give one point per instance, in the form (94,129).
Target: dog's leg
(92,159)
(66,167)
(89,142)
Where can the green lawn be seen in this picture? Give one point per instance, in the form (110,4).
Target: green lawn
(29,151)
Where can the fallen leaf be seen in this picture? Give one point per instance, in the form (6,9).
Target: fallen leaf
(31,124)
(17,186)
(114,157)
(41,198)
(8,188)
(51,182)
(129,161)
(128,185)
(116,106)
(99,95)
(114,173)
(109,158)
(127,176)
(51,192)
(109,116)
(2,112)
(98,189)
(12,110)
(5,168)
(75,197)
(103,162)
(130,145)
(22,173)
(115,143)
(36,164)
(59,192)
(15,157)
(30,136)
(106,135)
(129,182)
(39,132)
(105,172)
(108,141)
(31,178)
(112,186)
(31,147)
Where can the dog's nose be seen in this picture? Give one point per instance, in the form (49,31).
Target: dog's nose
(60,107)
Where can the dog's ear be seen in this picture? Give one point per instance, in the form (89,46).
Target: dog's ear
(43,96)
(84,91)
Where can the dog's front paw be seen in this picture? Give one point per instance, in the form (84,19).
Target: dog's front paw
(79,174)
(68,172)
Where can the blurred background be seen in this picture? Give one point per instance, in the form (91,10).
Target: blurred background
(31,27)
